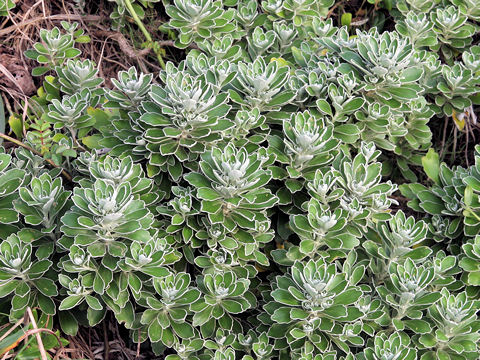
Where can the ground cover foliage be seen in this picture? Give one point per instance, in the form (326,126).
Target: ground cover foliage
(250,201)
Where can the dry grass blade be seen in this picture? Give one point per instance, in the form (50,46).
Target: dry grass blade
(58,17)
(9,76)
(41,348)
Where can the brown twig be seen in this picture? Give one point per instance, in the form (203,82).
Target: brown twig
(330,12)
(125,46)
(123,66)
(122,43)
(137,355)
(19,143)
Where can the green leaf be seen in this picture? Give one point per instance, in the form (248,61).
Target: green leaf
(16,125)
(211,207)
(418,326)
(468,195)
(8,287)
(346,19)
(46,286)
(197,180)
(84,39)
(155,271)
(8,216)
(71,53)
(431,165)
(282,98)
(40,70)
(184,330)
(93,302)
(474,278)
(68,323)
(46,304)
(95,316)
(293,185)
(348,297)
(398,324)
(428,298)
(70,302)
(352,105)
(324,107)
(427,340)
(232,306)
(403,93)
(284,297)
(12,340)
(202,316)
(207,194)
(177,219)
(155,331)
(93,141)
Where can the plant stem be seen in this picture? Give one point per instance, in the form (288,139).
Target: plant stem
(132,12)
(74,134)
(145,32)
(469,209)
(25,146)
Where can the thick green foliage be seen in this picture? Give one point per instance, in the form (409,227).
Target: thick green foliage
(242,204)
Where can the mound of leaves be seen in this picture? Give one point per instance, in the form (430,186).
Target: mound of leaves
(242,204)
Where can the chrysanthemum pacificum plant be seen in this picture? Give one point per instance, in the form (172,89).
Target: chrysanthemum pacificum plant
(247,204)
